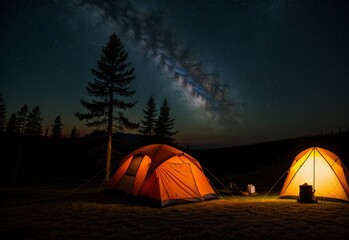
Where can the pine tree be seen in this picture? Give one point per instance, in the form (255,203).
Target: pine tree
(22,116)
(109,89)
(74,133)
(12,124)
(164,125)
(57,127)
(46,131)
(34,122)
(3,112)
(148,122)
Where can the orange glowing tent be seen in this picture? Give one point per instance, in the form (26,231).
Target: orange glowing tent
(163,174)
(320,168)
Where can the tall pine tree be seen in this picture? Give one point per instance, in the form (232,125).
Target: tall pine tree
(148,122)
(109,91)
(57,127)
(3,112)
(164,125)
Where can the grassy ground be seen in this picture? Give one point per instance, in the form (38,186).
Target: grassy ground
(44,212)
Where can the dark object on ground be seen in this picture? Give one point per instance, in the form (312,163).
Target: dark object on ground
(306,194)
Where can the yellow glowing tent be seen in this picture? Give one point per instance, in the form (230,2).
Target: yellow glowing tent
(163,174)
(320,168)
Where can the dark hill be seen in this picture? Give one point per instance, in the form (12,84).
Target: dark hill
(264,163)
(37,157)
(25,157)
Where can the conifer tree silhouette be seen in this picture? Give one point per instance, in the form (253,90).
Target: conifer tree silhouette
(34,122)
(11,126)
(109,91)
(57,127)
(165,125)
(22,116)
(148,122)
(3,112)
(74,133)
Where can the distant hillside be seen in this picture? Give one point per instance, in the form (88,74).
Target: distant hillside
(27,157)
(266,162)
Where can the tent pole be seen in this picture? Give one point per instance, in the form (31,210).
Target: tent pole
(314,170)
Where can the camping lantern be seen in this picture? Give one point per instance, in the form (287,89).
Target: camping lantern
(306,194)
(251,189)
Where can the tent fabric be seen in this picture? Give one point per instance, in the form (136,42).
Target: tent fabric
(320,168)
(162,173)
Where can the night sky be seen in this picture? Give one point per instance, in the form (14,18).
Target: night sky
(234,72)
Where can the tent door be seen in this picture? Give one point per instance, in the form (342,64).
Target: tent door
(126,182)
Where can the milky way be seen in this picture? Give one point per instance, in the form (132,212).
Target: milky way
(153,36)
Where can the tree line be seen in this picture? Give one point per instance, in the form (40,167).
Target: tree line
(154,128)
(105,110)
(29,122)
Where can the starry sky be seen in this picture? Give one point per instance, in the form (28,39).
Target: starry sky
(233,71)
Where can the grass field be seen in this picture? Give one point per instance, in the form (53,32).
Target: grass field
(44,212)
